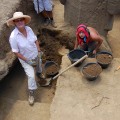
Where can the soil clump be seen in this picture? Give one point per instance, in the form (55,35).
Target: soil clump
(51,70)
(92,69)
(104,58)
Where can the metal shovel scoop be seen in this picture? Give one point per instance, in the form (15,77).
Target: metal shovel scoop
(49,80)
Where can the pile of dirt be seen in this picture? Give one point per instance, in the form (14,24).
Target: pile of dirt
(104,58)
(50,46)
(51,41)
(92,69)
(42,82)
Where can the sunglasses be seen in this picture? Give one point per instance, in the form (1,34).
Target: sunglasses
(19,20)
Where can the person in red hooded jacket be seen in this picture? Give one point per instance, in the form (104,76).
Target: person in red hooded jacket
(87,39)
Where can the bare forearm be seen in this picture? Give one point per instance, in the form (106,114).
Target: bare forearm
(37,44)
(20,56)
(99,44)
(76,45)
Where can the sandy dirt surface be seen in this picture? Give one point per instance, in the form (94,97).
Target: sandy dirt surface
(14,85)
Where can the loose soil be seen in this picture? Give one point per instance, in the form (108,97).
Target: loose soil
(42,82)
(104,58)
(51,41)
(51,70)
(92,69)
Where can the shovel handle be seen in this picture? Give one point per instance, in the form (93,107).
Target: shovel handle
(79,60)
(117,68)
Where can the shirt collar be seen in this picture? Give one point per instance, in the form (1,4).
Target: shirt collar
(18,32)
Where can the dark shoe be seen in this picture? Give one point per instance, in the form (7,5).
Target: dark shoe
(52,23)
(46,22)
(31,97)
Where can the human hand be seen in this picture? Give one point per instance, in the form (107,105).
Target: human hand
(40,54)
(94,51)
(31,62)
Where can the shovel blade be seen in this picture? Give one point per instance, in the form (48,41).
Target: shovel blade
(47,83)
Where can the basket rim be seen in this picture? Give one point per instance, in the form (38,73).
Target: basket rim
(104,52)
(74,51)
(54,63)
(47,62)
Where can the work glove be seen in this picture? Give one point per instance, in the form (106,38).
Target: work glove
(40,54)
(32,62)
(94,52)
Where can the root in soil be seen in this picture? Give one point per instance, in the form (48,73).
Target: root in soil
(92,69)
(104,58)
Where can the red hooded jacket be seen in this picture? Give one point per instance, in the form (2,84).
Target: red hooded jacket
(82,28)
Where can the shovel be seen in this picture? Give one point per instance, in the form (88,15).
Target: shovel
(39,64)
(49,80)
